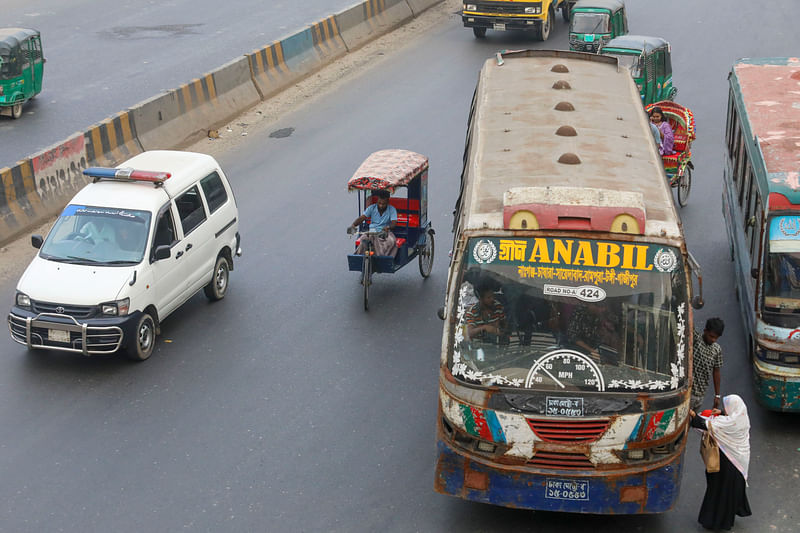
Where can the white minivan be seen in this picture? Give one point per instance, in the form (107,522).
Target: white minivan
(127,251)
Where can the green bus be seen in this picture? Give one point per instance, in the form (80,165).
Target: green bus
(21,68)
(761,206)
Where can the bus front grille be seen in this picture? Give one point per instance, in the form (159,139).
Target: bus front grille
(564,461)
(565,431)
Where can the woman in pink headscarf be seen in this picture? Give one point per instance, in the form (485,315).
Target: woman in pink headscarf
(725,496)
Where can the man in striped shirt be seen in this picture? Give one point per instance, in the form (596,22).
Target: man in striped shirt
(486,320)
(706,362)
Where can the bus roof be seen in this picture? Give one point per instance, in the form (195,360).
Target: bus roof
(521,139)
(770,92)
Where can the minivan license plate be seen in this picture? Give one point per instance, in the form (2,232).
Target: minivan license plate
(56,335)
(501,27)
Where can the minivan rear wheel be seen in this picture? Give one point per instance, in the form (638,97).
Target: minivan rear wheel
(218,286)
(141,346)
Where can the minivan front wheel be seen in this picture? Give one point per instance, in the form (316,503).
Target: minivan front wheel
(218,286)
(141,346)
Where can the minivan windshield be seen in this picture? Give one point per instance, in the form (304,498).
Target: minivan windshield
(558,314)
(98,235)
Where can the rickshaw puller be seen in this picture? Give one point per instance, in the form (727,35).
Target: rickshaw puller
(383,218)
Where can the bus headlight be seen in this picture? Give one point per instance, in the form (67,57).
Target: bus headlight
(636,455)
(23,300)
(772,355)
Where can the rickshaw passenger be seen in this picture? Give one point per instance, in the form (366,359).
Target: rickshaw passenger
(667,135)
(382,216)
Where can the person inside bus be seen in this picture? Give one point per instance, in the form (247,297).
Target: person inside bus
(667,135)
(486,320)
(592,328)
(382,218)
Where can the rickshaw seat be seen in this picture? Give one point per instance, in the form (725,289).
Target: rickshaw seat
(407,210)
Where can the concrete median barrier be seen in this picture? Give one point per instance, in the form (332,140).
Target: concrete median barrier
(19,208)
(366,21)
(277,66)
(418,6)
(112,141)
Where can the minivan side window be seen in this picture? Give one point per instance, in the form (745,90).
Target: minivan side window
(214,190)
(165,229)
(190,209)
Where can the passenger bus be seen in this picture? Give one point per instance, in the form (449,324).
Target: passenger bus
(761,205)
(565,367)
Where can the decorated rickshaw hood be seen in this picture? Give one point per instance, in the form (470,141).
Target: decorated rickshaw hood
(388,169)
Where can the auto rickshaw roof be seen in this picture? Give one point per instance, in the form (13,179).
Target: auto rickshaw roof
(388,169)
(611,5)
(10,38)
(637,42)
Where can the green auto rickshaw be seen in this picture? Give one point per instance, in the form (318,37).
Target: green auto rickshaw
(595,22)
(648,59)
(21,68)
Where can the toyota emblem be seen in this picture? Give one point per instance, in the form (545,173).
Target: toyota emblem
(60,310)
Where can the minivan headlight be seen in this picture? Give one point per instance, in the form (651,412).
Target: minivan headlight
(23,300)
(118,308)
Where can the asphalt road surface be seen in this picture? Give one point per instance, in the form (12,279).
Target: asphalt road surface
(286,407)
(103,57)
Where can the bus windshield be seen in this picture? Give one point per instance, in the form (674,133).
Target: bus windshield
(782,272)
(559,314)
(590,23)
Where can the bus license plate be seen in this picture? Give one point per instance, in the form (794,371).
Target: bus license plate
(501,27)
(56,335)
(567,489)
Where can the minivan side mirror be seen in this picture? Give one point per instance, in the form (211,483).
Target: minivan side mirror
(162,252)
(36,241)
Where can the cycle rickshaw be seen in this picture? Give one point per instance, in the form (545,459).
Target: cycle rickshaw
(678,166)
(398,171)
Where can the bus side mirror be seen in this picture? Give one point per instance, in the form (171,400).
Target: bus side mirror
(440,313)
(697,300)
(754,273)
(36,241)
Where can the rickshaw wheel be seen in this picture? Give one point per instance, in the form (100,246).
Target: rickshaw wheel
(426,257)
(16,111)
(684,187)
(479,33)
(366,279)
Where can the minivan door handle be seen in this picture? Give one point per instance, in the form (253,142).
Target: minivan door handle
(188,247)
(178,255)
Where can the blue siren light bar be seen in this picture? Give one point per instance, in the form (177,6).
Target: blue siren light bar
(126,174)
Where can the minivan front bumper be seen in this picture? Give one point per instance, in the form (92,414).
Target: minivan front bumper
(54,331)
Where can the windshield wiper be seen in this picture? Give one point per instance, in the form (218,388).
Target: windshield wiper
(121,262)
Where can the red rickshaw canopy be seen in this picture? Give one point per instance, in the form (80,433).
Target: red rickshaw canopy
(388,169)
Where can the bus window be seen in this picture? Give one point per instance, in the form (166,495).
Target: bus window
(755,230)
(744,186)
(732,124)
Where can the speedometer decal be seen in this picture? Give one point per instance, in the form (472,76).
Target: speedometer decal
(565,367)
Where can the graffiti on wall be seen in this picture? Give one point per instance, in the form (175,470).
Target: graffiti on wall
(59,172)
